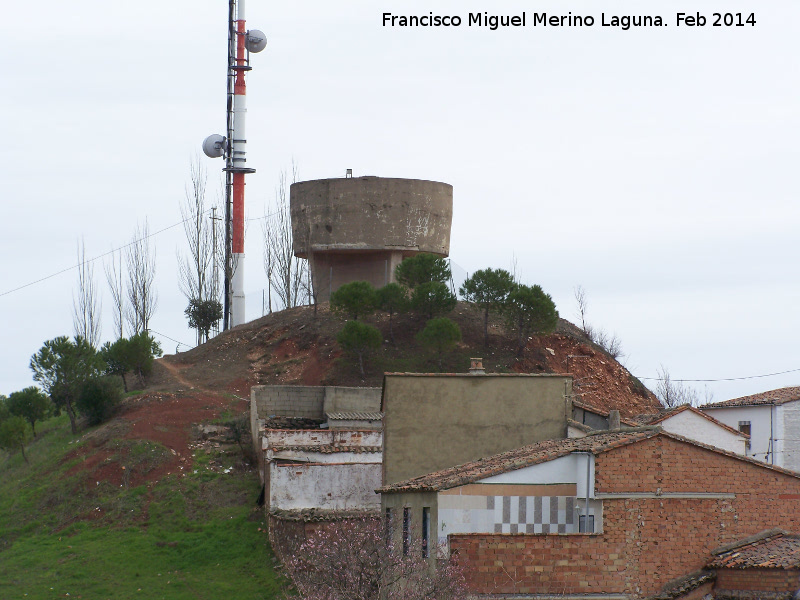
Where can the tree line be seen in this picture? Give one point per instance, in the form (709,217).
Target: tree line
(78,379)
(422,288)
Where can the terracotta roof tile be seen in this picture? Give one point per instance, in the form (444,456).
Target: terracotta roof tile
(780,396)
(327,449)
(546,451)
(772,549)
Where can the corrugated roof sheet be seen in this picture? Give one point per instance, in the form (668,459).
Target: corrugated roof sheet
(355,416)
(780,396)
(771,549)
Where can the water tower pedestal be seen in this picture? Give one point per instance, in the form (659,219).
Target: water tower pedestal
(360,229)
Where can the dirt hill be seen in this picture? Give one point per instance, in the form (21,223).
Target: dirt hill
(298,347)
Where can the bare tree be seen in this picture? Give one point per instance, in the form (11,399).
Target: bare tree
(114,278)
(286,273)
(197,273)
(86,307)
(353,559)
(607,341)
(583,304)
(672,393)
(141,266)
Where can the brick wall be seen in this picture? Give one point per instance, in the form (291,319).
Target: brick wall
(761,580)
(646,542)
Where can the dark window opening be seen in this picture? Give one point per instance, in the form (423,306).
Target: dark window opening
(426,528)
(744,427)
(387,532)
(406,530)
(583,526)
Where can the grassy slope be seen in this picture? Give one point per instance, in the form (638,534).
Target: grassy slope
(185,537)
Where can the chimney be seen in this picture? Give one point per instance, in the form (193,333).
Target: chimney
(613,419)
(476,366)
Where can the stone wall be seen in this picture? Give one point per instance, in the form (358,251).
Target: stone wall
(650,538)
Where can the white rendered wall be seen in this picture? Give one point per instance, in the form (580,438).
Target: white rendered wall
(327,487)
(693,426)
(567,469)
(760,430)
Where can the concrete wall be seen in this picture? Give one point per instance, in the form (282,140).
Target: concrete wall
(433,422)
(666,505)
(695,427)
(324,486)
(359,229)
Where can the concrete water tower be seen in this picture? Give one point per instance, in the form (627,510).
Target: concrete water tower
(360,229)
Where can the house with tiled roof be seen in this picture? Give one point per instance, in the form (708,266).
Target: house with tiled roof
(621,514)
(772,419)
(687,421)
(766,565)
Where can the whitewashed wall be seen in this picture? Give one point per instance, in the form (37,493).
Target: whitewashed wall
(693,426)
(320,437)
(325,486)
(789,434)
(759,417)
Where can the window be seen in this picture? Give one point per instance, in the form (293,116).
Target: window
(426,529)
(744,427)
(387,532)
(406,530)
(583,526)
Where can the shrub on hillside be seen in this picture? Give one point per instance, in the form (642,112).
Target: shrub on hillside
(360,339)
(432,299)
(354,299)
(99,398)
(440,336)
(31,404)
(14,434)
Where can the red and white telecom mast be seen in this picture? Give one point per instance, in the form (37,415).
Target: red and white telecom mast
(232,146)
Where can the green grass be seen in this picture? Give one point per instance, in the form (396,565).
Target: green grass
(190,536)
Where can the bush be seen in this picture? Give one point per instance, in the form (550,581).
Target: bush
(99,398)
(360,339)
(354,299)
(422,268)
(441,336)
(31,404)
(14,434)
(433,299)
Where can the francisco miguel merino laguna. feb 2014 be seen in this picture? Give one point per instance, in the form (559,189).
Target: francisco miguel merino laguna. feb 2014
(624,22)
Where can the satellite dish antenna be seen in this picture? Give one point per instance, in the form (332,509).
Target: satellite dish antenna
(214,146)
(255,40)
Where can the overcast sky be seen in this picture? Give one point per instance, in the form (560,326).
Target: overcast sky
(656,167)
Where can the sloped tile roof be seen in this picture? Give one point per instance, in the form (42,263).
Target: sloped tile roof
(518,459)
(780,396)
(655,419)
(542,452)
(771,549)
